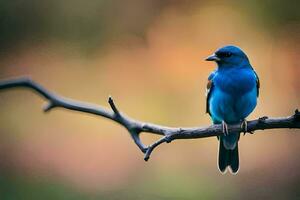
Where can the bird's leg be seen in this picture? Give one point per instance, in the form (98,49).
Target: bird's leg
(244,126)
(225,128)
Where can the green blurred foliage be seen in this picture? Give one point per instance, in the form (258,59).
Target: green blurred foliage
(169,186)
(273,13)
(88,23)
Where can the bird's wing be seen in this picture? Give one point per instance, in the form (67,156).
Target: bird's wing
(257,83)
(209,88)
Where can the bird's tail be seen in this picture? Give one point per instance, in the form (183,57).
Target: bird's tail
(229,153)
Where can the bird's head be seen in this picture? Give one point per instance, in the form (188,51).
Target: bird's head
(229,56)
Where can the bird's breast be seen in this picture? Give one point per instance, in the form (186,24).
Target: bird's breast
(233,97)
(236,82)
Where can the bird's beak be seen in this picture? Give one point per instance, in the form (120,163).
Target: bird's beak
(213,57)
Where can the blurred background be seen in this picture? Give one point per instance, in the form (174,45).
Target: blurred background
(149,55)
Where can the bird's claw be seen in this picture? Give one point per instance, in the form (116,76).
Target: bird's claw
(225,128)
(244,126)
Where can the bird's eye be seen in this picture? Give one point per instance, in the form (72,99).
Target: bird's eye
(228,54)
(224,54)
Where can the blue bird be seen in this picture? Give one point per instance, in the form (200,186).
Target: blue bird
(232,91)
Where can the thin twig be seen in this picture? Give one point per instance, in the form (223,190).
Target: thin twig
(135,127)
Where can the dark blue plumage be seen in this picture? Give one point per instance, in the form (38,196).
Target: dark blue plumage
(232,92)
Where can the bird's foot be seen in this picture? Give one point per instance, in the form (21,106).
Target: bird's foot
(244,126)
(225,128)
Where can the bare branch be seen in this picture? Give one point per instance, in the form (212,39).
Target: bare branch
(135,127)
